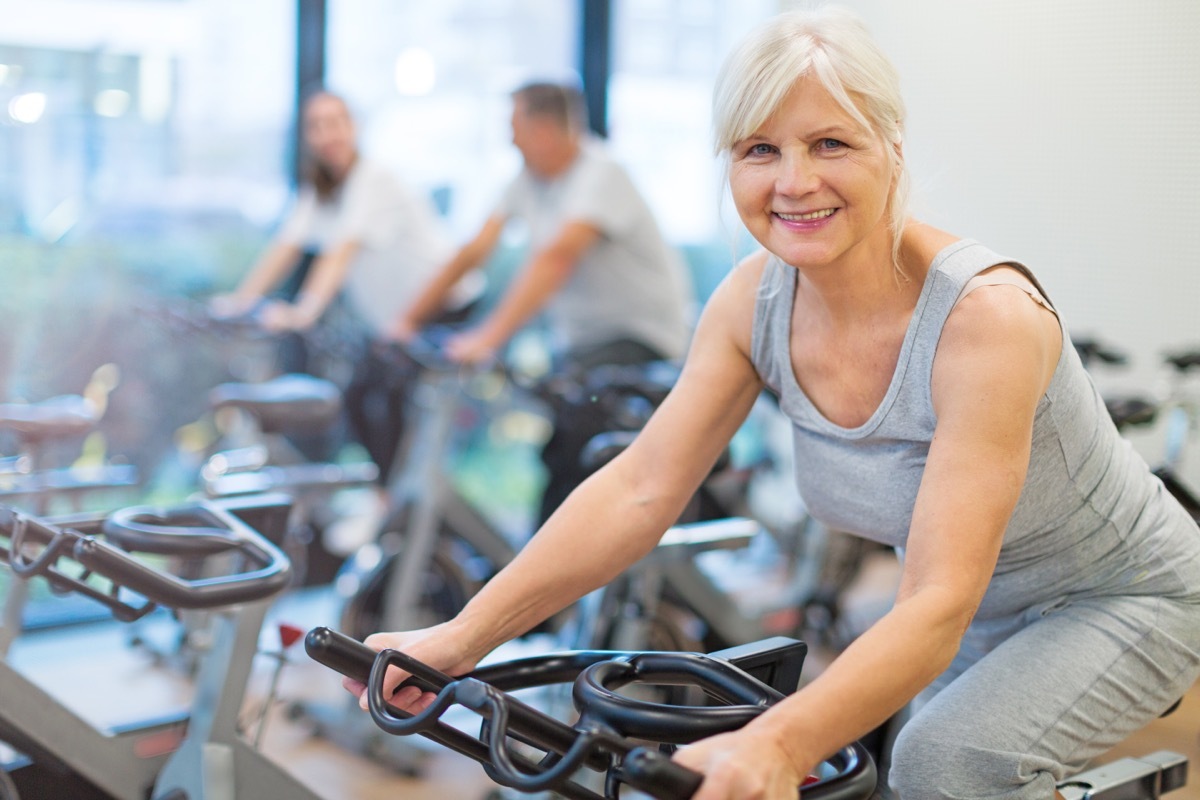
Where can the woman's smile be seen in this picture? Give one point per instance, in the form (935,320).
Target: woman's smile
(806,216)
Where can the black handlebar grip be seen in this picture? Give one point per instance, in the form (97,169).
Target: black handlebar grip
(653,772)
(340,653)
(348,656)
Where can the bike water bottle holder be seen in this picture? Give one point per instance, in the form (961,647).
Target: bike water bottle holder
(616,734)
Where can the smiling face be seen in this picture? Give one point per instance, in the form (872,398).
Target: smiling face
(811,184)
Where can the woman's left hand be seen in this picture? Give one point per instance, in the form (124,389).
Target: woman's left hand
(279,317)
(741,765)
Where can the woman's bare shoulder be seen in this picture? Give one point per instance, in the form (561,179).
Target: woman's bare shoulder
(747,274)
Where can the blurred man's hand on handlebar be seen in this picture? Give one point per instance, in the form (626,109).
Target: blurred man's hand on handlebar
(402,330)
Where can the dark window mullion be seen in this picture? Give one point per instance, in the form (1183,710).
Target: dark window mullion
(310,64)
(595,46)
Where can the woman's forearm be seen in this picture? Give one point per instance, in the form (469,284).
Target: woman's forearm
(269,271)
(599,531)
(871,680)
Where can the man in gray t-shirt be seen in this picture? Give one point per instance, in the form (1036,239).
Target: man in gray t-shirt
(613,291)
(627,282)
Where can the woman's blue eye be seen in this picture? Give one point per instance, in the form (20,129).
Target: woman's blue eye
(759,149)
(831,144)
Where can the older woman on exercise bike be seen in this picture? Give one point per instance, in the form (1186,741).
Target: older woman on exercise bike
(1050,599)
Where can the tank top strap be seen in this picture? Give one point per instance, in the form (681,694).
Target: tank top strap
(1021,280)
(769,346)
(951,275)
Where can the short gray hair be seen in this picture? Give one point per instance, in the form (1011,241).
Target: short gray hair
(557,101)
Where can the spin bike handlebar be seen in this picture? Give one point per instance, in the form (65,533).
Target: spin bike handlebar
(426,350)
(186,316)
(195,531)
(604,737)
(626,393)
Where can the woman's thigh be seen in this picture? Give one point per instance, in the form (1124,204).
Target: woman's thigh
(1014,719)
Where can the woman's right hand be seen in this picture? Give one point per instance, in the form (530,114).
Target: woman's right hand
(440,646)
(225,306)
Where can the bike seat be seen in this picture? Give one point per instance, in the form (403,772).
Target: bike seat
(1185,360)
(1128,412)
(1090,350)
(58,417)
(283,403)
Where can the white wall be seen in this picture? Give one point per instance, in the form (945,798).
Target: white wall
(1066,134)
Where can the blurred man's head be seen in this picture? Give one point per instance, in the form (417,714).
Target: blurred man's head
(547,122)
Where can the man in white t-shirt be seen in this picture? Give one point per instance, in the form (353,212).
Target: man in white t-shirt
(611,288)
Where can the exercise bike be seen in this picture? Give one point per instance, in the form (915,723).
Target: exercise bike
(1179,408)
(115,559)
(627,741)
(31,480)
(435,547)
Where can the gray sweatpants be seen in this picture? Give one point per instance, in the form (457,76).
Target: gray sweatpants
(1030,699)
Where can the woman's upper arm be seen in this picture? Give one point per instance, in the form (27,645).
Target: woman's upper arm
(714,392)
(994,361)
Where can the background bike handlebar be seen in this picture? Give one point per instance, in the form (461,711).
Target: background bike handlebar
(192,531)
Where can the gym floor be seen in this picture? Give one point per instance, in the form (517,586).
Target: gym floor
(141,689)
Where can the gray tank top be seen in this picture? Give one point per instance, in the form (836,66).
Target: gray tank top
(1091,517)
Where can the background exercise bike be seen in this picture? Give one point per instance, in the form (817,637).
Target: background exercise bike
(116,559)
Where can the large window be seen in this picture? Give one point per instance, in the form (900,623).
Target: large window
(430,84)
(144,154)
(144,148)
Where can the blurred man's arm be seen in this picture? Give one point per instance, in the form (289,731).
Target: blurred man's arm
(538,281)
(432,297)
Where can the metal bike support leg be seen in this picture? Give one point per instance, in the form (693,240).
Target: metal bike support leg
(14,611)
(214,761)
(428,495)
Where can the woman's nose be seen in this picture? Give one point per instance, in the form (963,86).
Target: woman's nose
(796,174)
